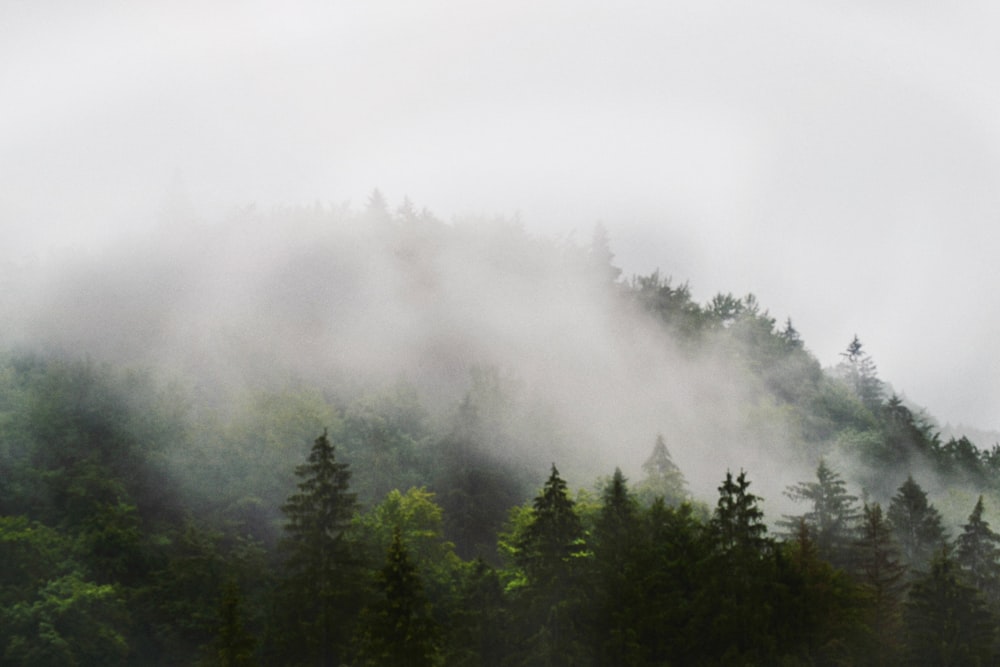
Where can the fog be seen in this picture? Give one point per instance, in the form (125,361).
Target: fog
(838,162)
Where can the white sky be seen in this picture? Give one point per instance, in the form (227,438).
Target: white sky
(840,160)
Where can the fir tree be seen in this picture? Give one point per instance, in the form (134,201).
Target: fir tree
(399,630)
(916,525)
(322,564)
(663,478)
(882,577)
(833,516)
(978,552)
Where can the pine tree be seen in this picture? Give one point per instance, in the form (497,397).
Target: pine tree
(322,565)
(978,553)
(663,478)
(916,525)
(833,516)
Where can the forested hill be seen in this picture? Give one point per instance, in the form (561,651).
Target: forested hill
(179,416)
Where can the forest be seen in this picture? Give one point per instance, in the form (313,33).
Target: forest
(315,435)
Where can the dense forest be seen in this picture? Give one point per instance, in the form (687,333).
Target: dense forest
(324,436)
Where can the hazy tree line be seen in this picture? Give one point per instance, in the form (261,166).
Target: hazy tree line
(150,523)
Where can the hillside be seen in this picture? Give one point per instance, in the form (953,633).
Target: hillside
(160,402)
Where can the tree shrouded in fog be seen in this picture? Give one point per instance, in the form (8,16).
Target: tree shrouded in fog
(832,517)
(859,371)
(663,478)
(916,526)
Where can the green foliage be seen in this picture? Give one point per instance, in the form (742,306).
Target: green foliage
(70,621)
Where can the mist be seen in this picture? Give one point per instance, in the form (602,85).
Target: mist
(352,301)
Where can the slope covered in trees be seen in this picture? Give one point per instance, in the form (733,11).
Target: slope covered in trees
(318,436)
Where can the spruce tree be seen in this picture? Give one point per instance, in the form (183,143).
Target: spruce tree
(321,589)
(882,575)
(916,525)
(978,553)
(551,554)
(663,478)
(617,541)
(833,517)
(398,629)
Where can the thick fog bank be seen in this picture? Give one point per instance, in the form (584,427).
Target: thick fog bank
(348,301)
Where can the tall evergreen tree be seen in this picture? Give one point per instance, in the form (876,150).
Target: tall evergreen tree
(733,613)
(833,517)
(738,521)
(860,373)
(399,630)
(617,538)
(322,565)
(550,552)
(916,525)
(663,478)
(882,576)
(978,556)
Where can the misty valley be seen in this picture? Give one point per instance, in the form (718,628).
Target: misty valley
(320,435)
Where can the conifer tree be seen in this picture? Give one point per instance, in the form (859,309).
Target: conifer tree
(550,552)
(860,373)
(617,540)
(916,525)
(978,553)
(663,478)
(946,621)
(831,521)
(738,521)
(322,564)
(399,630)
(882,577)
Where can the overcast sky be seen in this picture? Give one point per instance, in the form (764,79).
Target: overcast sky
(840,160)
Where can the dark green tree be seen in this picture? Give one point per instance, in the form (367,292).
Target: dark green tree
(551,551)
(832,518)
(398,629)
(946,621)
(882,576)
(738,522)
(233,646)
(978,556)
(321,591)
(733,615)
(916,525)
(618,593)
(663,478)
